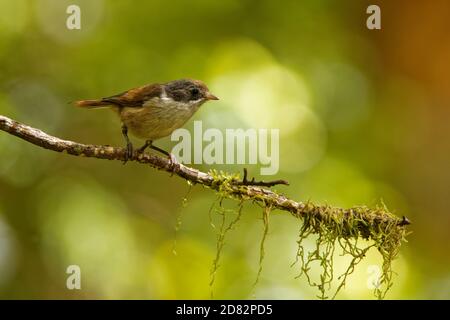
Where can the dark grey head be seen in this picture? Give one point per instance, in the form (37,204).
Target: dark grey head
(190,91)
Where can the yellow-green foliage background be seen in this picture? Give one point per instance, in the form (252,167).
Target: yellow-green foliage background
(363,118)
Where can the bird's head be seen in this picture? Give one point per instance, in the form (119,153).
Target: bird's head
(192,92)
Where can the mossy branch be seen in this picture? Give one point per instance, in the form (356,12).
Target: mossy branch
(212,180)
(331,224)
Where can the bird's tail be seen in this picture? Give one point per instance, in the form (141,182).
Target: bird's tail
(91,104)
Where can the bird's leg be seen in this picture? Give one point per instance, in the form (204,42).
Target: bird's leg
(147,144)
(173,161)
(129,153)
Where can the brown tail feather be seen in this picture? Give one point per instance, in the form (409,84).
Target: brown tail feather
(90,104)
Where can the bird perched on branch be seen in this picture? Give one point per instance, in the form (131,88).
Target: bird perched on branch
(154,111)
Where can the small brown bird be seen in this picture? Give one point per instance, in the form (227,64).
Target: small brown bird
(154,111)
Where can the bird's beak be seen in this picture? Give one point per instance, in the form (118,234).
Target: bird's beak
(210,96)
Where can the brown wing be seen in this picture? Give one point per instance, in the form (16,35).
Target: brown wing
(135,97)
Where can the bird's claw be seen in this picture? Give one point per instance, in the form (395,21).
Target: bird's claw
(147,144)
(173,163)
(128,153)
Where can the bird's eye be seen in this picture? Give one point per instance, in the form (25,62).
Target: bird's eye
(194,92)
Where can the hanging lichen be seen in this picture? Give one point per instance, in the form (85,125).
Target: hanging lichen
(179,220)
(333,228)
(266,214)
(222,232)
(337,227)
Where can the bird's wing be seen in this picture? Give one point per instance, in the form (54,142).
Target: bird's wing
(135,97)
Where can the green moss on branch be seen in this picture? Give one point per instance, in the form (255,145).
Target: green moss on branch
(333,228)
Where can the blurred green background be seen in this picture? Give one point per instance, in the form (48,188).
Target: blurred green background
(363,118)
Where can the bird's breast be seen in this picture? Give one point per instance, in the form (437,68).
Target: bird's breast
(157,118)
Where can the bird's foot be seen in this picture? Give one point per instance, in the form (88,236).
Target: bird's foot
(147,144)
(173,163)
(129,148)
(128,153)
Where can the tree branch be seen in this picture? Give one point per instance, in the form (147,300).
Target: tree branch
(249,190)
(331,225)
(246,182)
